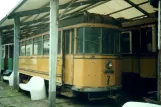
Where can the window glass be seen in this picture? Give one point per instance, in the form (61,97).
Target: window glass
(108,41)
(29,47)
(72,31)
(22,50)
(38,46)
(146,40)
(67,42)
(79,40)
(10,47)
(117,42)
(125,42)
(59,42)
(3,52)
(46,36)
(46,47)
(92,40)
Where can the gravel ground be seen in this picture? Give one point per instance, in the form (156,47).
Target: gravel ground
(13,98)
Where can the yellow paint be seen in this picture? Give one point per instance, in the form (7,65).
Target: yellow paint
(82,71)
(90,72)
(145,66)
(68,73)
(148,67)
(130,64)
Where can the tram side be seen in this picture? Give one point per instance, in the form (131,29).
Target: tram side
(88,59)
(139,59)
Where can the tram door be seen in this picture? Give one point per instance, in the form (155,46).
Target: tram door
(68,38)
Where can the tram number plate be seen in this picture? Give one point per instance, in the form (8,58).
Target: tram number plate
(108,80)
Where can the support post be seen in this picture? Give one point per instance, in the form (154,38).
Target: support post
(0,55)
(16,50)
(159,53)
(53,52)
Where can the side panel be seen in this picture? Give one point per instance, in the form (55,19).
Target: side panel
(89,72)
(68,77)
(38,66)
(148,67)
(130,64)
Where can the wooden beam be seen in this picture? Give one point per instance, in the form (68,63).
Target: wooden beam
(127,8)
(93,4)
(29,12)
(139,22)
(159,53)
(70,4)
(16,50)
(0,54)
(137,7)
(53,51)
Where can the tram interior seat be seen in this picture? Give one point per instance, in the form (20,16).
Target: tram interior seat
(10,78)
(139,104)
(36,87)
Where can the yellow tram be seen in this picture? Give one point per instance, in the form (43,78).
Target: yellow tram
(88,58)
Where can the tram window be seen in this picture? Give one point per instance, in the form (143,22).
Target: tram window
(136,41)
(67,42)
(46,47)
(10,47)
(29,47)
(72,31)
(79,40)
(22,50)
(46,36)
(92,40)
(125,42)
(37,46)
(3,52)
(59,42)
(146,40)
(117,42)
(108,41)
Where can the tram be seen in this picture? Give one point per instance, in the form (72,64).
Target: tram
(88,59)
(7,57)
(139,58)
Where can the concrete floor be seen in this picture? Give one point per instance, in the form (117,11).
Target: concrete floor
(13,98)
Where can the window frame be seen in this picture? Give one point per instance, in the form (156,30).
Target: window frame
(41,40)
(45,39)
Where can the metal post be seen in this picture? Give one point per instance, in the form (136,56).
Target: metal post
(16,50)
(0,54)
(53,52)
(159,54)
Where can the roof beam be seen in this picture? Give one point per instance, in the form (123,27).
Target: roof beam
(70,4)
(47,4)
(28,27)
(29,12)
(76,4)
(46,9)
(25,23)
(93,4)
(127,8)
(139,22)
(137,7)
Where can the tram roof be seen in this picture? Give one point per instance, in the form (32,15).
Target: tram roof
(34,13)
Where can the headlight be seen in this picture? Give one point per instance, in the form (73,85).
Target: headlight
(109,65)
